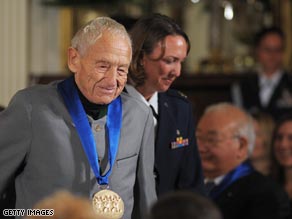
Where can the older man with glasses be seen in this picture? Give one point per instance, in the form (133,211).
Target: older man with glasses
(225,137)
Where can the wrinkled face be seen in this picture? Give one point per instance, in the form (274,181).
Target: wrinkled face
(270,53)
(101,73)
(161,73)
(220,149)
(283,144)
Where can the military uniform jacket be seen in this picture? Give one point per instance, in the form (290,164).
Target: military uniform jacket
(177,161)
(41,152)
(281,99)
(252,197)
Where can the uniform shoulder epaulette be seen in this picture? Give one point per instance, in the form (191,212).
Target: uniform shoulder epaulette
(177,93)
(182,94)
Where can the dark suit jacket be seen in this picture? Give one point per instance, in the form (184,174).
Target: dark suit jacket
(253,197)
(279,103)
(178,168)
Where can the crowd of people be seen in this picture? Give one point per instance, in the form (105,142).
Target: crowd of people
(114,136)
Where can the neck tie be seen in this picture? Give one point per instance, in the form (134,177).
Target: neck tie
(154,113)
(209,186)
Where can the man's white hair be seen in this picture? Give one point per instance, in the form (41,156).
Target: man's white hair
(94,29)
(243,128)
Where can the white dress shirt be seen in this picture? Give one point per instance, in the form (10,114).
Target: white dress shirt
(216,180)
(267,86)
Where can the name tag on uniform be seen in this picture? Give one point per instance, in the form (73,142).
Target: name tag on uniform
(180,142)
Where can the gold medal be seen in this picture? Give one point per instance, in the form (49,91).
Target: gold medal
(108,204)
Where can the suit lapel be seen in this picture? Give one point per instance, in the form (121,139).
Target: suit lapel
(257,90)
(251,93)
(277,92)
(66,115)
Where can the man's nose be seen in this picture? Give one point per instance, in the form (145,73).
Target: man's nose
(111,77)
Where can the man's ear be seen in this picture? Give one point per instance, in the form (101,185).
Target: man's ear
(243,148)
(73,60)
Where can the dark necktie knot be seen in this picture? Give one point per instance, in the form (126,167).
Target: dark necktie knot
(209,186)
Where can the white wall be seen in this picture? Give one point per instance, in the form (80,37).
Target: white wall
(197,27)
(29,42)
(44,39)
(13,44)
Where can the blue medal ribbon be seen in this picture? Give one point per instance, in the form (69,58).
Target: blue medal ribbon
(68,91)
(242,170)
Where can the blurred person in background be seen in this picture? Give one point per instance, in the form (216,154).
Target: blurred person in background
(184,205)
(282,154)
(225,136)
(270,91)
(261,155)
(64,205)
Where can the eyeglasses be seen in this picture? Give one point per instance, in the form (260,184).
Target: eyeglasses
(213,140)
(272,50)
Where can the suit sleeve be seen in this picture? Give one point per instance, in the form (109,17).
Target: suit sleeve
(145,184)
(191,174)
(15,137)
(271,203)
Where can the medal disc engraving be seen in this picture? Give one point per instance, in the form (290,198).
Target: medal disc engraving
(108,204)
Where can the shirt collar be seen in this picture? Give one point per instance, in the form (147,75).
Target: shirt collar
(216,180)
(273,80)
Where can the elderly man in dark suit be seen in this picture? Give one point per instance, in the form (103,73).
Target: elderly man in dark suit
(225,137)
(82,134)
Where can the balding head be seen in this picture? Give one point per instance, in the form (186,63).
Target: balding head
(234,116)
(225,136)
